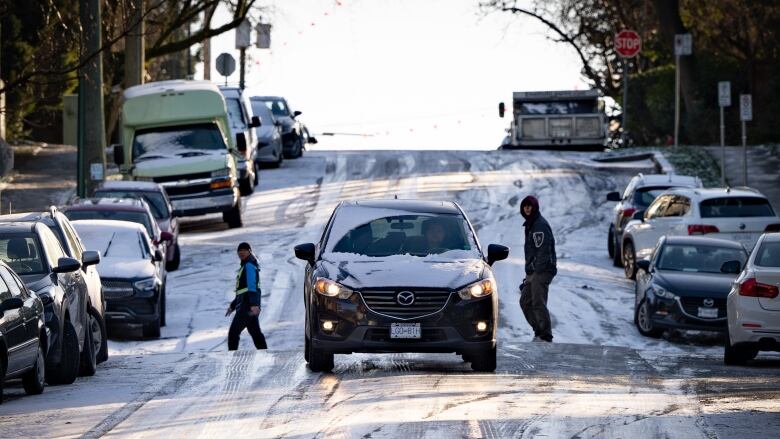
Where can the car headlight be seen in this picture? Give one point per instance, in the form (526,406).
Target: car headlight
(663,293)
(145,284)
(481,288)
(220,173)
(328,288)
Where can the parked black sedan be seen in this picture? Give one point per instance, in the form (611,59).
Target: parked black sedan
(684,284)
(400,276)
(23,336)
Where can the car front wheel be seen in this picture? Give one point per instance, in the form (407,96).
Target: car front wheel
(320,360)
(484,362)
(644,323)
(629,260)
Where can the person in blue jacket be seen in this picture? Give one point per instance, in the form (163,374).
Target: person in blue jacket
(247,301)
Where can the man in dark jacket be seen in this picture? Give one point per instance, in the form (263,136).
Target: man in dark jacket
(247,301)
(540,268)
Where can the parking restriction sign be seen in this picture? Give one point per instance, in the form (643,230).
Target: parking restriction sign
(724,94)
(745,108)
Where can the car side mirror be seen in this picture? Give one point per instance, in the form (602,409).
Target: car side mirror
(158,256)
(119,155)
(613,196)
(305,252)
(90,257)
(9,304)
(496,253)
(313,140)
(731,267)
(67,265)
(501,109)
(255,122)
(639,215)
(240,142)
(296,113)
(643,264)
(166,236)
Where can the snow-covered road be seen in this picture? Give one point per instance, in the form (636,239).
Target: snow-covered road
(600,378)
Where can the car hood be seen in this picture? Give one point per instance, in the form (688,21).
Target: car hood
(36,282)
(287,123)
(182,162)
(404,271)
(124,268)
(691,284)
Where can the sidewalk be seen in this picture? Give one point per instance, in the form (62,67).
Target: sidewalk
(763,169)
(42,176)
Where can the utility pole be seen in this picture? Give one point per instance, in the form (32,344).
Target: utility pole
(745,115)
(134,46)
(92,136)
(207,59)
(724,100)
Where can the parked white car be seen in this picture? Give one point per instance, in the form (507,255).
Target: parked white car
(737,214)
(753,305)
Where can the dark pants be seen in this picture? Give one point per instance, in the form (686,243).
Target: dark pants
(245,319)
(533,302)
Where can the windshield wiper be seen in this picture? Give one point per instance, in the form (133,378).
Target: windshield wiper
(110,241)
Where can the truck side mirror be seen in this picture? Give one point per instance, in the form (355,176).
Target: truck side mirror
(119,155)
(255,122)
(613,196)
(296,113)
(313,140)
(501,109)
(240,142)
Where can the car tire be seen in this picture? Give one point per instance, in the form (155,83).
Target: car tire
(465,358)
(34,380)
(162,308)
(320,360)
(233,216)
(174,263)
(306,349)
(484,362)
(299,148)
(629,260)
(2,377)
(611,242)
(738,354)
(102,352)
(68,369)
(257,175)
(246,186)
(88,361)
(643,321)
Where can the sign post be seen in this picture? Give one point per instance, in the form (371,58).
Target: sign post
(683,45)
(745,115)
(243,40)
(627,44)
(724,100)
(226,65)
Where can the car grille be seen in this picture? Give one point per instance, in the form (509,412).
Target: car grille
(187,190)
(114,289)
(425,303)
(169,178)
(691,305)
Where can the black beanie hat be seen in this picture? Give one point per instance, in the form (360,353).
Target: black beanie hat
(244,246)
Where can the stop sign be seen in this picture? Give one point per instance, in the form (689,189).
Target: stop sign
(627,43)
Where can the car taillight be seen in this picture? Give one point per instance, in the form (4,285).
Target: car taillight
(701,229)
(752,288)
(629,212)
(772,228)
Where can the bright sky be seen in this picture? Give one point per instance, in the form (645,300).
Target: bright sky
(404,74)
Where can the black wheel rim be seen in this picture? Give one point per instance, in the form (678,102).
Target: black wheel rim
(97,333)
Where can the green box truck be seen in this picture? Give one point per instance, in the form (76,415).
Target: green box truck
(176,133)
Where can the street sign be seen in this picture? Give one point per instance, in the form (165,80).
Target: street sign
(683,44)
(627,43)
(263,36)
(226,64)
(724,94)
(745,108)
(244,35)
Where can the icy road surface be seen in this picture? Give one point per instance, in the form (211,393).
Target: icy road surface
(599,379)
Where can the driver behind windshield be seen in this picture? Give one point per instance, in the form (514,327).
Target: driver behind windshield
(435,235)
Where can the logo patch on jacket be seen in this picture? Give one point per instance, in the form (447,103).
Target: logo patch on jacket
(538,239)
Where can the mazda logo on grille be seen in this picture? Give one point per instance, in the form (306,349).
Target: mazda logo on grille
(709,303)
(405,298)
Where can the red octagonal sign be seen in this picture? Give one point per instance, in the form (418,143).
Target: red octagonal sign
(627,43)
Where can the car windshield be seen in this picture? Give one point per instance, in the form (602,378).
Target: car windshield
(155,200)
(117,215)
(419,234)
(152,142)
(560,107)
(22,252)
(262,111)
(768,255)
(124,244)
(277,107)
(697,258)
(735,207)
(643,197)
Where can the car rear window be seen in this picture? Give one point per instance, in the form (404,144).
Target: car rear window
(735,207)
(22,253)
(768,255)
(697,258)
(155,200)
(117,215)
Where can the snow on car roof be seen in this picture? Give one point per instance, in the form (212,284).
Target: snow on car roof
(702,240)
(108,225)
(681,180)
(708,193)
(421,206)
(131,184)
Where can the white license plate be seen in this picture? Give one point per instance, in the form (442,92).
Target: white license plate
(405,330)
(743,238)
(708,313)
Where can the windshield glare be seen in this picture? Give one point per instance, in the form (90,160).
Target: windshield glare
(260,109)
(155,200)
(277,107)
(645,196)
(169,140)
(416,235)
(133,217)
(22,253)
(113,244)
(697,258)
